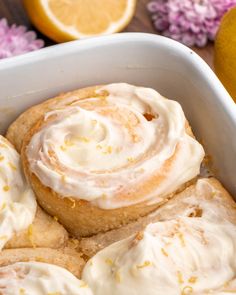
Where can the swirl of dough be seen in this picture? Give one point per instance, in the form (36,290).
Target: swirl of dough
(17,200)
(186,255)
(37,278)
(124,146)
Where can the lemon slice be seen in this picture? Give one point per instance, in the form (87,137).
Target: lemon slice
(65,20)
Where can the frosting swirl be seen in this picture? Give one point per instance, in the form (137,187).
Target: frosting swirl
(17,202)
(186,255)
(37,278)
(122,146)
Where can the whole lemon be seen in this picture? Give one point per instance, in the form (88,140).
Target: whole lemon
(225,52)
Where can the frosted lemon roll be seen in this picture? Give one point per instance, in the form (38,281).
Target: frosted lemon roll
(120,150)
(35,278)
(17,200)
(186,255)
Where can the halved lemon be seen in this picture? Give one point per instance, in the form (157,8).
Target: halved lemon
(225,52)
(65,20)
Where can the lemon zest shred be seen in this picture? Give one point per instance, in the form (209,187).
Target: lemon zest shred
(63,148)
(180,277)
(12,166)
(139,236)
(109,261)
(69,142)
(130,159)
(3,206)
(108,150)
(104,196)
(164,252)
(135,138)
(73,203)
(3,145)
(83,285)
(30,235)
(39,259)
(181,237)
(118,277)
(63,178)
(55,218)
(213,194)
(187,290)
(145,264)
(6,188)
(226,284)
(192,280)
(84,139)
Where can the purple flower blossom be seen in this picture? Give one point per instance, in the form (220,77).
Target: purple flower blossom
(192,22)
(15,40)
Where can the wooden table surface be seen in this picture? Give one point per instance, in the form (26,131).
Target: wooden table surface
(14,12)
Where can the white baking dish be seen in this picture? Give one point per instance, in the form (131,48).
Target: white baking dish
(142,59)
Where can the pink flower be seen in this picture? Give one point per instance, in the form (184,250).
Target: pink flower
(15,40)
(192,22)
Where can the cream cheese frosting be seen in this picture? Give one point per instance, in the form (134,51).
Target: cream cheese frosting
(186,255)
(36,278)
(102,147)
(17,201)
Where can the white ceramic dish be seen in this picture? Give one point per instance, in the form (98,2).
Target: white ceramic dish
(142,59)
